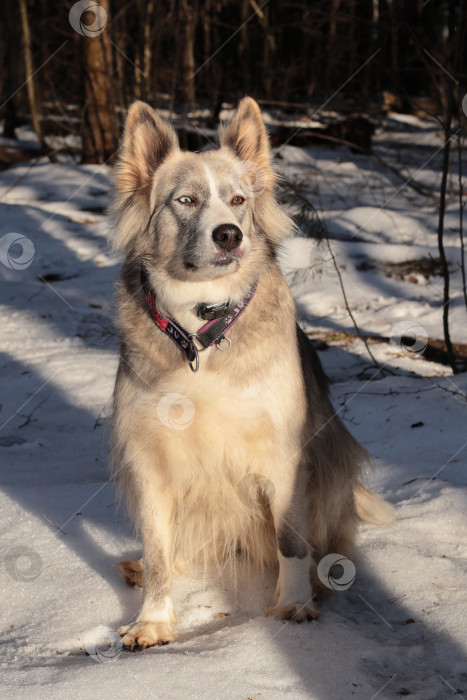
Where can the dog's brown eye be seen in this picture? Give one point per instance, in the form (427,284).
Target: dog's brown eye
(238,200)
(186,200)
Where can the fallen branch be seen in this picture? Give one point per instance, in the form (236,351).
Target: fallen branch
(435,350)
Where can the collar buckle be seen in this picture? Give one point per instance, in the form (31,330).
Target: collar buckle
(208,312)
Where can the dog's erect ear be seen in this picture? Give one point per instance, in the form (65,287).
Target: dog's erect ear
(246,136)
(147,140)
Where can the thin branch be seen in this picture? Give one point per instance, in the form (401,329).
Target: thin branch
(309,216)
(29,416)
(306,218)
(357,329)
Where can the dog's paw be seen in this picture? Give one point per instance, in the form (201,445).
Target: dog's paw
(141,635)
(293,611)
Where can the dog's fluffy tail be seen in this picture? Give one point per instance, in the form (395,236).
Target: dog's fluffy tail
(371,508)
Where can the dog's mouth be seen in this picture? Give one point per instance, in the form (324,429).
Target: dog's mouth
(224,260)
(221,260)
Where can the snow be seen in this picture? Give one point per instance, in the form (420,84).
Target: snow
(400,628)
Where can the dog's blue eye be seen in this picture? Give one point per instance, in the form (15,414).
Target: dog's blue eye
(186,200)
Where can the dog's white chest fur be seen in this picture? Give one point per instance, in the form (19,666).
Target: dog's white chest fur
(215,440)
(205,417)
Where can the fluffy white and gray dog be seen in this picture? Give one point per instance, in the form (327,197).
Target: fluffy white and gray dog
(220,400)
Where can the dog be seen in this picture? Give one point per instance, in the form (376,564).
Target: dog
(225,443)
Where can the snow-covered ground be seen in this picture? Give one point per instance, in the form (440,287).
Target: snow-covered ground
(400,628)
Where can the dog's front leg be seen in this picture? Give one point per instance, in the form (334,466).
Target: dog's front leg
(154,624)
(293,595)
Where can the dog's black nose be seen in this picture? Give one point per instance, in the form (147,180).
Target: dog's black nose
(227,236)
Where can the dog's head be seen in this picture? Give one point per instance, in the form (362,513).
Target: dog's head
(197,217)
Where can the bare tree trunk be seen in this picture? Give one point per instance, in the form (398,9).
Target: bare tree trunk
(11,79)
(334,52)
(100,132)
(448,136)
(137,89)
(154,79)
(120,36)
(30,84)
(188,20)
(143,48)
(353,28)
(442,254)
(461,216)
(147,50)
(269,48)
(216,72)
(176,59)
(395,23)
(244,47)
